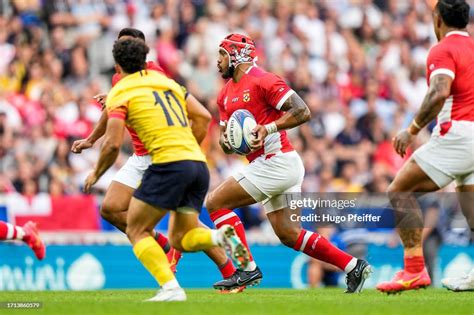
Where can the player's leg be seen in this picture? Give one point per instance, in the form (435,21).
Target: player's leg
(217,255)
(223,263)
(411,178)
(28,233)
(230,195)
(117,198)
(314,245)
(115,204)
(466,199)
(141,220)
(188,236)
(234,193)
(259,180)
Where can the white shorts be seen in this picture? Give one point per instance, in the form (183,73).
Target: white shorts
(269,181)
(447,159)
(132,172)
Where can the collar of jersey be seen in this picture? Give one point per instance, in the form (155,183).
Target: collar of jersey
(458,33)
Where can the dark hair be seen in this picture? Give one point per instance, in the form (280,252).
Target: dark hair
(133,32)
(130,54)
(455,13)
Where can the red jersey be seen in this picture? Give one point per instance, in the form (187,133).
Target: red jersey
(263,94)
(454,56)
(137,144)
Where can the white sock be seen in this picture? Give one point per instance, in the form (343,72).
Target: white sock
(20,233)
(217,238)
(170,285)
(251,266)
(351,265)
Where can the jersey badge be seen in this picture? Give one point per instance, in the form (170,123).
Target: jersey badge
(246,97)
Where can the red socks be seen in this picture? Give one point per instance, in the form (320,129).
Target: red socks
(227,216)
(316,246)
(227,269)
(414,264)
(10,232)
(162,241)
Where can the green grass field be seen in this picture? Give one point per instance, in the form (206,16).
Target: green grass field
(253,301)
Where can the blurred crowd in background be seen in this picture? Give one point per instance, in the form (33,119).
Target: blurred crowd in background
(358,64)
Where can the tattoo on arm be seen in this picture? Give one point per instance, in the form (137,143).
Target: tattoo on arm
(297,108)
(440,89)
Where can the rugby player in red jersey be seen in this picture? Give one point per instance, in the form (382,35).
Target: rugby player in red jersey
(118,195)
(275,168)
(27,233)
(449,155)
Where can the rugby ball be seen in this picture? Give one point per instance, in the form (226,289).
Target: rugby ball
(239,131)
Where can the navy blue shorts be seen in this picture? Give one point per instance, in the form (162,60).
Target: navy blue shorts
(174,185)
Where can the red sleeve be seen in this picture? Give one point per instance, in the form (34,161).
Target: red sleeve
(120,113)
(151,65)
(440,61)
(274,90)
(221,102)
(115,78)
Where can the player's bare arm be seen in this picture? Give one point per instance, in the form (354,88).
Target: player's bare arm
(109,151)
(297,113)
(439,91)
(199,117)
(96,134)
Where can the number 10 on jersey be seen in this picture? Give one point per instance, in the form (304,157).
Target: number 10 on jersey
(169,106)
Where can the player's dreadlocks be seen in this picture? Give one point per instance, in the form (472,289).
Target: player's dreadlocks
(130,54)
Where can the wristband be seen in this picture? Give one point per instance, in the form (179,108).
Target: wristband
(271,128)
(416,124)
(414,128)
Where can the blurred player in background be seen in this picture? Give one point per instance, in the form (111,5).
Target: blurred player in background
(27,233)
(177,180)
(275,168)
(115,205)
(449,155)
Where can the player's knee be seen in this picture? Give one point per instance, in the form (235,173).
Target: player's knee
(394,187)
(211,203)
(288,236)
(108,209)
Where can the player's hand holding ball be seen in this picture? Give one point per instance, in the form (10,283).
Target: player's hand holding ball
(224,141)
(260,133)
